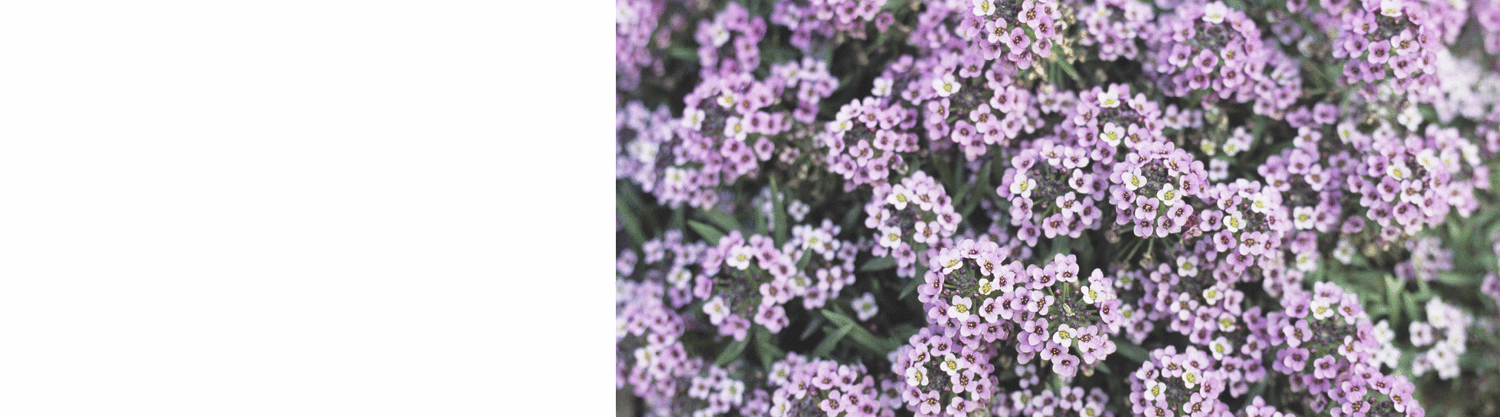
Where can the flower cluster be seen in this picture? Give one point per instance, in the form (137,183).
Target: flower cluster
(865,140)
(1062,208)
(1154,190)
(751,279)
(973,296)
(650,355)
(943,375)
(1212,49)
(813,387)
(635,27)
(1178,384)
(1115,27)
(1446,331)
(912,221)
(1052,191)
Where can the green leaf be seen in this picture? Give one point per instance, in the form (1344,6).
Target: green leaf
(719,218)
(1411,306)
(862,338)
(1393,298)
(709,233)
(851,217)
(679,220)
(1458,279)
(812,327)
(683,53)
(629,220)
(766,348)
(732,352)
(878,264)
(806,259)
(832,340)
(1066,67)
(1130,350)
(911,287)
(778,214)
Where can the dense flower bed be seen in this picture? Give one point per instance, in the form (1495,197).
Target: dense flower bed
(1058,207)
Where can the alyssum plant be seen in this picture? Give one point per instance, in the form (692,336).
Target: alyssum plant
(1057,207)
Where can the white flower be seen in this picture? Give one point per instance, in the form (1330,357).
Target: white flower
(1226,322)
(959,310)
(693,118)
(1398,170)
(676,177)
(1220,347)
(1321,308)
(882,87)
(983,8)
(1261,202)
(734,127)
(727,99)
(840,126)
(1234,221)
(986,286)
(739,257)
(1155,390)
(1383,332)
(1133,179)
(915,377)
(1215,12)
(889,237)
(1168,195)
(945,85)
(720,34)
(1109,98)
(1186,267)
(679,277)
(1091,294)
(899,196)
(1390,8)
(1064,335)
(1112,134)
(1212,295)
(948,260)
(949,364)
(1190,378)
(1307,262)
(716,310)
(1302,217)
(1344,252)
(643,151)
(865,307)
(1022,186)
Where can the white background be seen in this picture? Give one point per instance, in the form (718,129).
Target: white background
(306,208)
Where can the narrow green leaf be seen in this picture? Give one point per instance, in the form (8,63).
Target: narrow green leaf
(778,214)
(721,219)
(1129,349)
(766,348)
(630,221)
(1458,279)
(862,338)
(1393,298)
(806,259)
(709,233)
(812,327)
(732,352)
(679,219)
(832,340)
(878,264)
(851,217)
